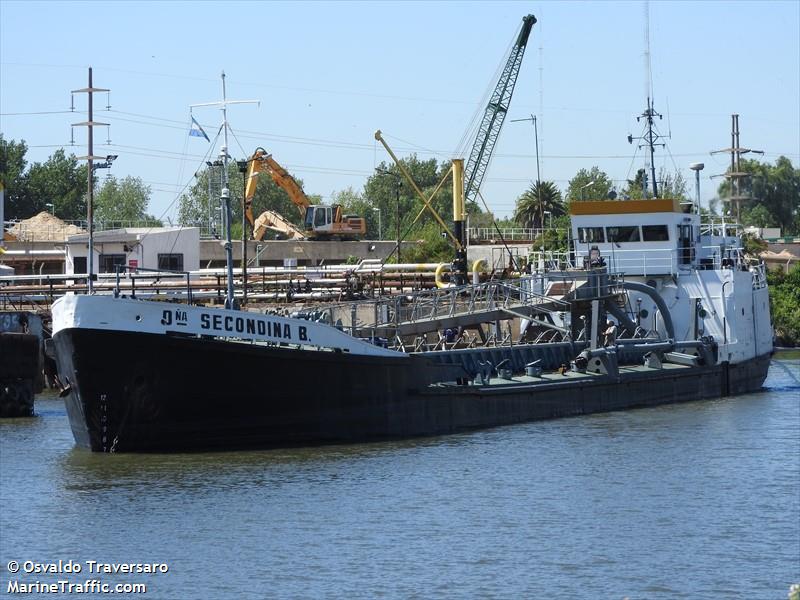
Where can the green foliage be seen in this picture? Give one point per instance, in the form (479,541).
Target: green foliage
(478,218)
(597,191)
(353,203)
(670,185)
(784,297)
(12,176)
(60,181)
(431,246)
(555,239)
(774,192)
(634,189)
(400,206)
(124,200)
(753,245)
(397,201)
(535,202)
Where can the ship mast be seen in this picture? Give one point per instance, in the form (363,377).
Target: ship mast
(650,135)
(225,195)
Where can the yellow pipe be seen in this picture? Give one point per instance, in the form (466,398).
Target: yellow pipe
(475,272)
(437,276)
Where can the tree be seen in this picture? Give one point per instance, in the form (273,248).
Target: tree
(784,297)
(670,185)
(535,202)
(125,200)
(598,190)
(59,181)
(12,175)
(776,188)
(353,203)
(635,188)
(389,191)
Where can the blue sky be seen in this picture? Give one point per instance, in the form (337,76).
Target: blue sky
(328,74)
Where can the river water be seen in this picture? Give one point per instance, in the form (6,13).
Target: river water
(699,500)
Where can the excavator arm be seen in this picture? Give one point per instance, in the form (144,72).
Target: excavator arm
(289,184)
(320,221)
(262,161)
(272,221)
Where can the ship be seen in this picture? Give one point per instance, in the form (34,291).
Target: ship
(21,343)
(650,306)
(691,314)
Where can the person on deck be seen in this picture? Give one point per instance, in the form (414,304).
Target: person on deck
(610,334)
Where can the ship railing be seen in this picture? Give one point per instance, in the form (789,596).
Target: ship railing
(758,269)
(454,301)
(644,261)
(719,256)
(490,235)
(131,273)
(718,226)
(361,317)
(544,261)
(595,284)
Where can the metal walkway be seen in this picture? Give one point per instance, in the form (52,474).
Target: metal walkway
(437,310)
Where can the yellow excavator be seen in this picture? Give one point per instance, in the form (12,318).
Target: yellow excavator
(319,221)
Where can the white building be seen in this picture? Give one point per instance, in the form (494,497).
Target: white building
(162,248)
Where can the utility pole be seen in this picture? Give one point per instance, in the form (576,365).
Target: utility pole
(735,174)
(90,158)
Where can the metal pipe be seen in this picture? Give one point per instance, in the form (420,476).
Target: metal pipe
(662,306)
(438,276)
(626,323)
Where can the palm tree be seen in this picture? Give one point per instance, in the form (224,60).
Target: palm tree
(532,205)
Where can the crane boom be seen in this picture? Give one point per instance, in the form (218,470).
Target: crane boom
(495,114)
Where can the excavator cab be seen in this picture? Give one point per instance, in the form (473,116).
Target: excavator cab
(318,217)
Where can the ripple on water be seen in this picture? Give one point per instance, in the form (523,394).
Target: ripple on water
(697,500)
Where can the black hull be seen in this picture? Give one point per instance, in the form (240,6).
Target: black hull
(20,373)
(133,392)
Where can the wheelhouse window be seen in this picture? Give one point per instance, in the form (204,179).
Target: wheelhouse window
(589,235)
(108,262)
(170,262)
(655,233)
(622,234)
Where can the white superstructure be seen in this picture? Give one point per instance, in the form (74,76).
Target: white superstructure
(698,269)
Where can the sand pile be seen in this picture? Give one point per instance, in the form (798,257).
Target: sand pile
(43,227)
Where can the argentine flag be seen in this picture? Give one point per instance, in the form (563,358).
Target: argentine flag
(197,131)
